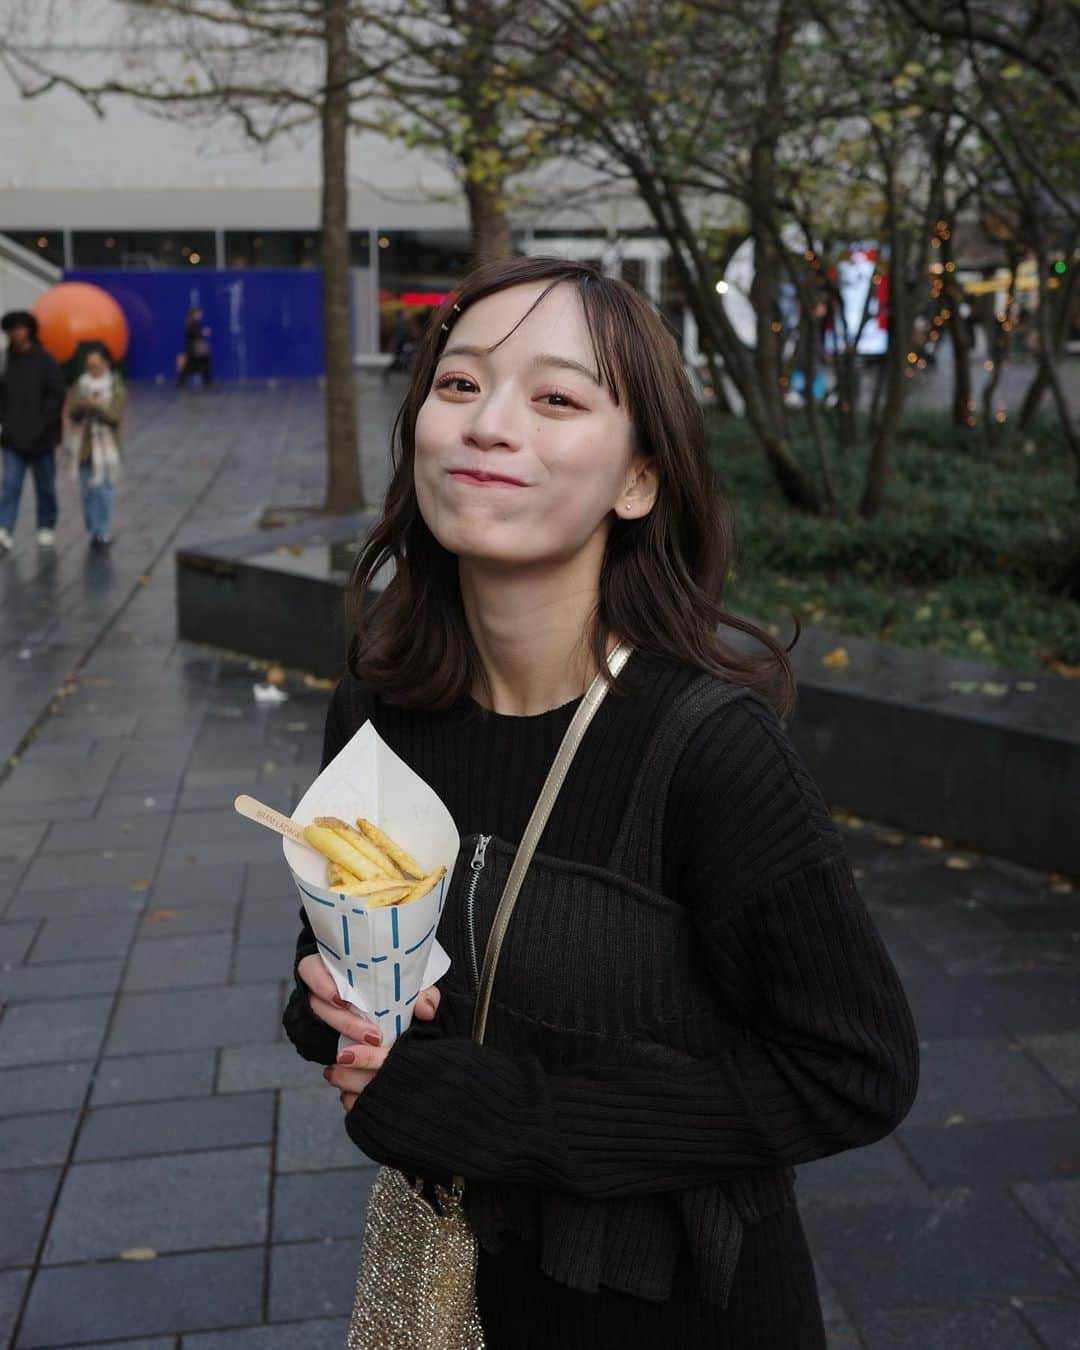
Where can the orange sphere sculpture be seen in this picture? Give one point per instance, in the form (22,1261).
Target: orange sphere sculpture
(75,312)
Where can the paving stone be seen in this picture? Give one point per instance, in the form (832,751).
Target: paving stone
(69,904)
(314,1335)
(32,1141)
(1059,1054)
(981,1078)
(16,810)
(148,1128)
(20,840)
(203,827)
(83,938)
(247,1068)
(1008,953)
(946,1329)
(12,1287)
(259,846)
(313,1278)
(270,922)
(1058,1324)
(174,1203)
(178,962)
(15,939)
(946,1006)
(25,1199)
(997,1151)
(311,1132)
(875,1175)
(186,1020)
(75,870)
(69,1029)
(1055,1207)
(144,1078)
(169,919)
(1027,1004)
(192,1292)
(269,880)
(199,885)
(141,807)
(53,1087)
(259,965)
(64,979)
(116,831)
(970,1248)
(313,1206)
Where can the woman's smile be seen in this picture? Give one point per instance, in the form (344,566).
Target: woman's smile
(485,478)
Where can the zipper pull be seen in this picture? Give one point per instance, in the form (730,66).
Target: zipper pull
(477,863)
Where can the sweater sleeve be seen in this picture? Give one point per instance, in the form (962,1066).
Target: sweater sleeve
(824,1055)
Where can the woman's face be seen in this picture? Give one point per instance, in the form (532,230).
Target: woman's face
(95,364)
(521,452)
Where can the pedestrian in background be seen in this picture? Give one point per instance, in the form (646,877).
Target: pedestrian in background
(95,407)
(31,406)
(195,359)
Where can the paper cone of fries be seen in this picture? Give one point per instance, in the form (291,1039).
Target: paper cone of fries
(381,954)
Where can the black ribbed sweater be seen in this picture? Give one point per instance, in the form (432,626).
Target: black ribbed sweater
(759,1023)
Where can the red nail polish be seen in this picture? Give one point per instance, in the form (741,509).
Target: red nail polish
(373,1038)
(346,1057)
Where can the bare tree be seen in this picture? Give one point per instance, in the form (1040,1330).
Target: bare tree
(274,67)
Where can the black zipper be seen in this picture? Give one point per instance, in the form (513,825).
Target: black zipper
(477,865)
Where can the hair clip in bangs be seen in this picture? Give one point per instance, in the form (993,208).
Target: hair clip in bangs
(455,308)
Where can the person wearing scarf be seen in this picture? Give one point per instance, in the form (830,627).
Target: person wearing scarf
(95,409)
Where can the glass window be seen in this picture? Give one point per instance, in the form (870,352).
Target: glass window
(47,244)
(417,270)
(272,248)
(143,248)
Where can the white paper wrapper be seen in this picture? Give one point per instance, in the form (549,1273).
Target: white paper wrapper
(380,958)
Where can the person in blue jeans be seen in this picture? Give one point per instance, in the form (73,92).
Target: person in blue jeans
(31,404)
(95,408)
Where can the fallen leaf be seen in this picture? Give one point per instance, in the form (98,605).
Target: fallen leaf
(994,690)
(959,864)
(275,675)
(1070,672)
(1026,686)
(931,841)
(142,884)
(837,659)
(316,682)
(955,1120)
(160,915)
(891,837)
(963,686)
(138,1254)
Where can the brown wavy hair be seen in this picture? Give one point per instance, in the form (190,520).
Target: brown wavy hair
(662,578)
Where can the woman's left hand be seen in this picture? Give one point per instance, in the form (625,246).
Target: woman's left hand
(358,1064)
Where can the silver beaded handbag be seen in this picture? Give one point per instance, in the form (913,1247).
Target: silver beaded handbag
(416,1287)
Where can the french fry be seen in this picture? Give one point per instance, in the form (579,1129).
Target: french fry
(337,877)
(361,843)
(379,888)
(331,845)
(388,847)
(389,895)
(422,887)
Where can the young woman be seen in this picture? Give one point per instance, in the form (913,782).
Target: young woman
(691,997)
(95,409)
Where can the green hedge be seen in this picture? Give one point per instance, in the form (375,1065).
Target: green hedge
(976,552)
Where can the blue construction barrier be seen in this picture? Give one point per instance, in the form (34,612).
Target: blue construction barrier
(264,322)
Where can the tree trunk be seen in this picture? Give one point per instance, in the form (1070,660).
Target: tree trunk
(489,222)
(877,470)
(1041,381)
(1047,355)
(962,402)
(344,485)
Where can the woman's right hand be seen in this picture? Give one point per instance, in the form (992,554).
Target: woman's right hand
(335,1012)
(342,1016)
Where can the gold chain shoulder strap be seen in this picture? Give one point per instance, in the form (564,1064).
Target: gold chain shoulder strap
(575,733)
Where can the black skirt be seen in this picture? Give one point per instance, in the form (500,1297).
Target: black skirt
(774,1303)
